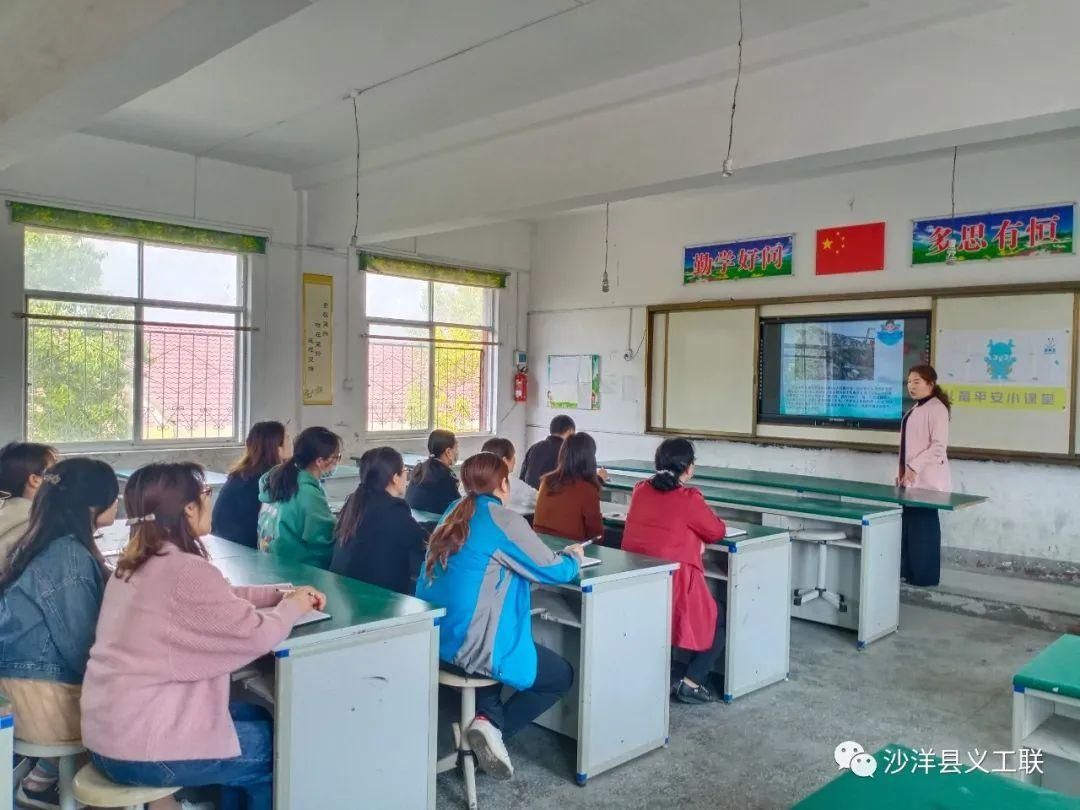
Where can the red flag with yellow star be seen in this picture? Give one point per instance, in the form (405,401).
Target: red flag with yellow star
(851,249)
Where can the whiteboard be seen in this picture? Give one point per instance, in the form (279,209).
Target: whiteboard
(1007,363)
(710,363)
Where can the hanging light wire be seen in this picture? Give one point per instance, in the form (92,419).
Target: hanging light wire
(729,165)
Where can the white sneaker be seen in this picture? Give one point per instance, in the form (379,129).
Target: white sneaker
(487,742)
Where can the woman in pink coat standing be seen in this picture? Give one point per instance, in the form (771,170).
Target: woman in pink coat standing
(923,464)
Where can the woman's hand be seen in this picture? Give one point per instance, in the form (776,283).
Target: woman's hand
(575,550)
(308,598)
(602,474)
(909,478)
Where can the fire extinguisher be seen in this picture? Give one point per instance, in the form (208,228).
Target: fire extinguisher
(521,386)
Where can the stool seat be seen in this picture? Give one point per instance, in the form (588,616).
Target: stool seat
(29,749)
(92,788)
(818,535)
(464,681)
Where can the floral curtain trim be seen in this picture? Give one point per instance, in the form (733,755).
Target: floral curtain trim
(64,219)
(426,271)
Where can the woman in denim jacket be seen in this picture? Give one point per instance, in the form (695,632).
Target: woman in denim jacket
(50,595)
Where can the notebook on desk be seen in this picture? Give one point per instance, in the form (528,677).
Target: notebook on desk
(589,562)
(311,617)
(731,531)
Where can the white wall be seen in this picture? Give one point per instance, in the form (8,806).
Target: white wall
(505,246)
(1033,509)
(104,175)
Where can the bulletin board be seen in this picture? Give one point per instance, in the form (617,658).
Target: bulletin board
(574,381)
(1007,364)
(318,336)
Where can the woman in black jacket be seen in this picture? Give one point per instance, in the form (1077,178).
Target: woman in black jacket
(433,485)
(236,510)
(378,541)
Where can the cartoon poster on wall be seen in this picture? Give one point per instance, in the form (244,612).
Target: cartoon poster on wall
(1013,369)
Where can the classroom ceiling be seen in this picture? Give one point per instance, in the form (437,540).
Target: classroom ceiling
(278,100)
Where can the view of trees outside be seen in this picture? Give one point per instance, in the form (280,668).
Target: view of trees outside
(81,376)
(399,372)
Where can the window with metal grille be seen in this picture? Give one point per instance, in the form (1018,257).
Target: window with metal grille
(430,355)
(131,342)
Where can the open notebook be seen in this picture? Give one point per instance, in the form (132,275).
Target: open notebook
(589,562)
(311,617)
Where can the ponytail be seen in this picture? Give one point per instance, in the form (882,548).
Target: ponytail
(283,482)
(481,474)
(438,443)
(673,458)
(378,467)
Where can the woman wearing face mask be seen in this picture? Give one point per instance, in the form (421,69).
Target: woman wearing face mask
(923,464)
(378,541)
(295,520)
(156,705)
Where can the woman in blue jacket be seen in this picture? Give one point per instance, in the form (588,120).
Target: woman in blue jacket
(479,564)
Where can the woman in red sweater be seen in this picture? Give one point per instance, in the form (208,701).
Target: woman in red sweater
(671,521)
(155,704)
(568,504)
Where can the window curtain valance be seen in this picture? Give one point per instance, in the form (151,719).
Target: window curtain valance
(426,271)
(65,219)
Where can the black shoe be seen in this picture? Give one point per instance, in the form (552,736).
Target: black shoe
(684,693)
(47,799)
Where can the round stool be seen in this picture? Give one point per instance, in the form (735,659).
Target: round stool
(463,755)
(94,789)
(65,753)
(820,590)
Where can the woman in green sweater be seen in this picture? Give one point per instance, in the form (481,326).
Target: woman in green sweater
(295,522)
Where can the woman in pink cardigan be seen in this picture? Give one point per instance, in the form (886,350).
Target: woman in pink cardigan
(155,701)
(923,464)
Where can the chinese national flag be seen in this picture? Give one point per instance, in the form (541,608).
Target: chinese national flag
(851,249)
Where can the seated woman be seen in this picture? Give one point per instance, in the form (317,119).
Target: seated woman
(295,521)
(479,564)
(236,509)
(378,541)
(433,485)
(522,496)
(569,501)
(670,520)
(22,465)
(155,708)
(50,594)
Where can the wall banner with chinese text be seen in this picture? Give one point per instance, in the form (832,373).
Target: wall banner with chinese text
(1013,369)
(1019,233)
(746,258)
(318,336)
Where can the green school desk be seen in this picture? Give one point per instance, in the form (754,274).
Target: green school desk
(949,791)
(845,560)
(751,574)
(342,683)
(613,624)
(834,487)
(1046,714)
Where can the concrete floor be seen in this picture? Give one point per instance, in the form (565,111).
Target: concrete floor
(943,682)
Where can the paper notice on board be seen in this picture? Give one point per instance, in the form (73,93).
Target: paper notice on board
(573,381)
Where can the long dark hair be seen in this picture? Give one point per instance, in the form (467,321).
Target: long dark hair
(577,462)
(377,469)
(20,460)
(481,474)
(155,497)
(927,372)
(437,443)
(311,445)
(673,458)
(262,450)
(75,493)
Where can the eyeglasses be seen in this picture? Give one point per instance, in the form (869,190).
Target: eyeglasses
(206,491)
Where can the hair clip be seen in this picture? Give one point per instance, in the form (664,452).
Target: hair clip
(51,478)
(665,472)
(135,521)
